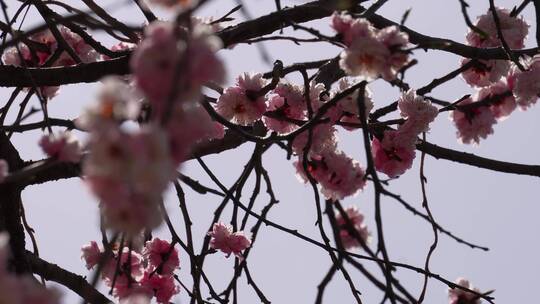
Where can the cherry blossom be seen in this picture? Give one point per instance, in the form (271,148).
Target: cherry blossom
(323,139)
(63,147)
(163,286)
(161,256)
(160,54)
(394,154)
(339,175)
(525,84)
(357,220)
(484,72)
(346,109)
(223,238)
(235,103)
(514,30)
(117,101)
(4,169)
(459,296)
(418,111)
(91,254)
(473,124)
(371,53)
(288,100)
(128,173)
(503,107)
(351,29)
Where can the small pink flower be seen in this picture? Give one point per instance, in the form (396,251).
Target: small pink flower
(373,53)
(472,125)
(485,72)
(502,108)
(91,254)
(323,139)
(339,175)
(418,111)
(235,103)
(526,84)
(514,30)
(163,286)
(64,147)
(161,255)
(129,269)
(288,100)
(4,170)
(357,220)
(459,296)
(394,154)
(351,29)
(223,238)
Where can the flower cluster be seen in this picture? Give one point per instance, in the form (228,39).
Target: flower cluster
(223,238)
(17,289)
(130,165)
(357,220)
(370,52)
(502,86)
(138,272)
(459,296)
(514,29)
(284,108)
(394,154)
(41,47)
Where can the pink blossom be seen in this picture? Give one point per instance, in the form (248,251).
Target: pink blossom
(474,124)
(514,30)
(339,175)
(91,254)
(350,29)
(346,109)
(418,111)
(503,107)
(357,220)
(288,100)
(63,147)
(163,51)
(235,103)
(459,296)
(526,84)
(365,57)
(323,138)
(129,268)
(154,61)
(375,53)
(484,72)
(161,255)
(128,173)
(223,238)
(4,171)
(394,154)
(117,101)
(162,285)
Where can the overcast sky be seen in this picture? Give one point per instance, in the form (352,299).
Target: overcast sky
(489,208)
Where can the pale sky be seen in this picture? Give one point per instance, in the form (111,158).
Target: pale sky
(489,208)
